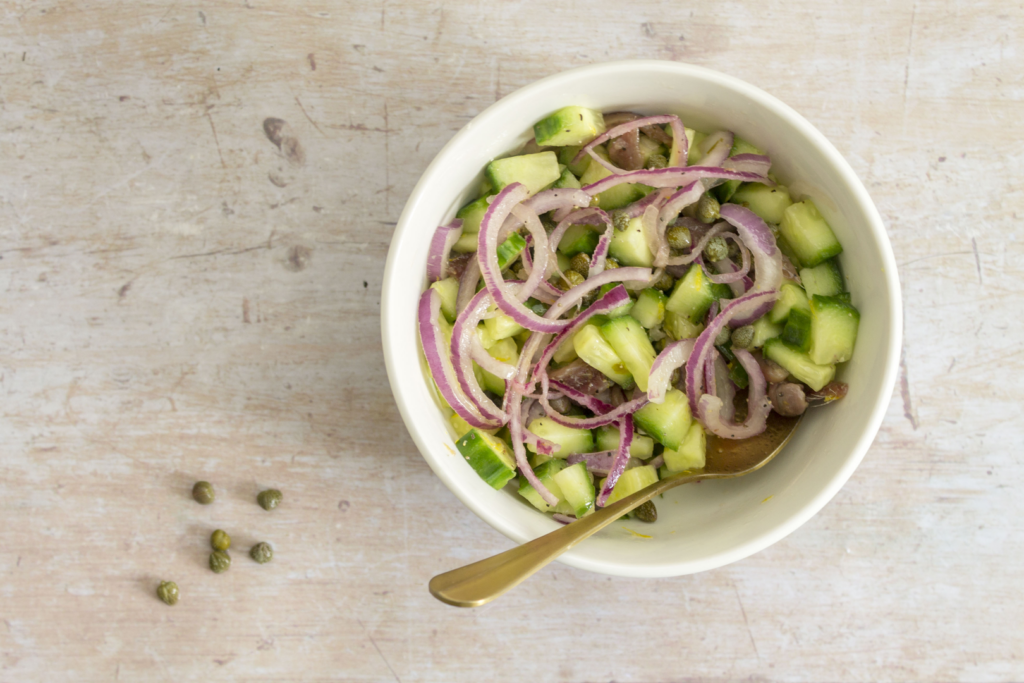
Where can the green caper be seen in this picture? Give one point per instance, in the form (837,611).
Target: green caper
(168,592)
(724,335)
(581,264)
(708,208)
(220,540)
(611,263)
(656,161)
(203,492)
(678,237)
(716,249)
(590,297)
(647,512)
(664,282)
(620,220)
(269,499)
(220,561)
(573,278)
(262,553)
(743,337)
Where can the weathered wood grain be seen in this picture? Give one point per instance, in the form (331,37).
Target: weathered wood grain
(189,297)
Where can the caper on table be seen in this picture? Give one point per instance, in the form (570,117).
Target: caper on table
(203,492)
(269,499)
(220,540)
(220,561)
(262,552)
(168,592)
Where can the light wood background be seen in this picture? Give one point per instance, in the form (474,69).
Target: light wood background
(184,300)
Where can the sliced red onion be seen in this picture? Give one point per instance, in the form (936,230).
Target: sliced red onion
(716,378)
(679,140)
(637,208)
(758,406)
(669,212)
(599,420)
(672,177)
(467,285)
(737,308)
(729,274)
(578,217)
(541,445)
(751,163)
(488,362)
(546,292)
(441,244)
(576,294)
(649,225)
(599,463)
(621,458)
(656,462)
(718,146)
(672,357)
(562,519)
(759,239)
(591,403)
(556,199)
(463,338)
(607,303)
(435,349)
(515,428)
(697,249)
(539,238)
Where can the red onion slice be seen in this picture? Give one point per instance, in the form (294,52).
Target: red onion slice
(463,338)
(599,463)
(435,349)
(716,378)
(591,403)
(669,212)
(718,146)
(441,244)
(758,405)
(621,458)
(751,163)
(601,420)
(467,285)
(515,428)
(673,356)
(539,239)
(672,177)
(607,303)
(759,239)
(679,140)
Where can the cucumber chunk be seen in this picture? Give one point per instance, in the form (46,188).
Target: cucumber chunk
(578,239)
(726,190)
(546,474)
(630,482)
(471,215)
(569,126)
(578,488)
(691,454)
(667,422)
(567,180)
(629,246)
(598,353)
(535,171)
(808,234)
(799,364)
(615,197)
(797,332)
(765,329)
(466,244)
(507,352)
(567,154)
(501,327)
(571,440)
(834,325)
(509,249)
(824,279)
(489,456)
(607,439)
(449,291)
(791,296)
(462,427)
(769,203)
(678,326)
(629,340)
(694,293)
(649,309)
(694,153)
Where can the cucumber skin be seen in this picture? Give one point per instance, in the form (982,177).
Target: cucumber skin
(489,457)
(808,234)
(799,364)
(834,327)
(824,279)
(797,333)
(790,296)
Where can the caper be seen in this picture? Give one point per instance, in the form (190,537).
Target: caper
(590,297)
(724,335)
(610,263)
(203,492)
(679,237)
(262,553)
(220,540)
(708,208)
(716,249)
(574,278)
(656,161)
(269,499)
(743,337)
(774,227)
(220,561)
(664,282)
(647,512)
(168,592)
(620,220)
(581,264)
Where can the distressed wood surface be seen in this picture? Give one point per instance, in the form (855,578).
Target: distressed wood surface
(186,299)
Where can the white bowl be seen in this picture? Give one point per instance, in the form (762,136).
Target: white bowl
(700,526)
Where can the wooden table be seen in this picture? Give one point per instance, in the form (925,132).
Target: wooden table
(186,299)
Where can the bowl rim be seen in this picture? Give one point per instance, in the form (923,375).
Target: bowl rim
(392,278)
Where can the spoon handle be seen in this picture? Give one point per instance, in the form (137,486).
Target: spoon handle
(480,582)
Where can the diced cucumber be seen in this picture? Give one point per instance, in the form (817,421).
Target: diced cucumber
(607,439)
(569,126)
(535,171)
(615,197)
(567,179)
(449,291)
(507,352)
(695,138)
(546,474)
(598,353)
(769,203)
(834,326)
(667,422)
(629,246)
(790,296)
(578,488)
(466,244)
(489,456)
(808,234)
(726,190)
(486,340)
(578,239)
(462,427)
(799,364)
(629,340)
(678,326)
(797,332)
(765,329)
(649,308)
(571,440)
(825,279)
(471,215)
(565,353)
(509,249)
(694,293)
(502,326)
(567,154)
(692,452)
(630,482)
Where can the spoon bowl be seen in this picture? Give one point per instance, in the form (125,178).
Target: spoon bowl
(478,583)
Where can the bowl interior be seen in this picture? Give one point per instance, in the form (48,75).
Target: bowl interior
(704,525)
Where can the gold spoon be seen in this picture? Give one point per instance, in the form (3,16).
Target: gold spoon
(480,582)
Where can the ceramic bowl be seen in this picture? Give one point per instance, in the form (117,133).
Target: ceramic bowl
(700,526)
